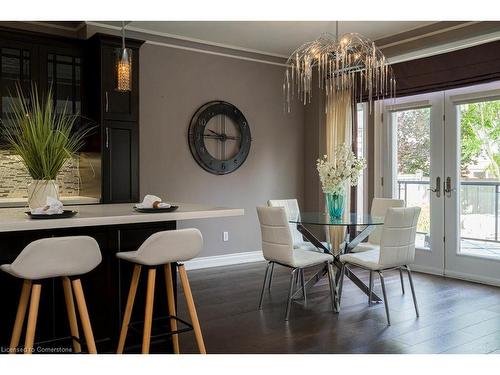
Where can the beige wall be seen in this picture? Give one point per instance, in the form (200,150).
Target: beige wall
(174,83)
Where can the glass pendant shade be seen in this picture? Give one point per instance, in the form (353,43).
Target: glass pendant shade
(124,69)
(349,63)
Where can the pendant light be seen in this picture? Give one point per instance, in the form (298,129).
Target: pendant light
(123,66)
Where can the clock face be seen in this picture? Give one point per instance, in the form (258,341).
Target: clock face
(219,137)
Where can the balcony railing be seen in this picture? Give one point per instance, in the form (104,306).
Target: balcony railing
(478,200)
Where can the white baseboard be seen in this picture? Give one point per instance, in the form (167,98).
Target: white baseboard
(224,260)
(457,275)
(256,256)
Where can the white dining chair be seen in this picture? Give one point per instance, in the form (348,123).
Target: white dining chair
(396,251)
(379,209)
(277,248)
(293,213)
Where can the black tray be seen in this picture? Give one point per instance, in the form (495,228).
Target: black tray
(149,210)
(64,215)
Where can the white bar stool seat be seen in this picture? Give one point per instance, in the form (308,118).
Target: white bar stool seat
(166,249)
(65,257)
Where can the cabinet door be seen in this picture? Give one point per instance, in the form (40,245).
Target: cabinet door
(16,66)
(120,162)
(122,106)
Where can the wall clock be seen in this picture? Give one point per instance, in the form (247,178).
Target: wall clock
(219,137)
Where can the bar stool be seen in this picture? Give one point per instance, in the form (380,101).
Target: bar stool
(65,257)
(163,249)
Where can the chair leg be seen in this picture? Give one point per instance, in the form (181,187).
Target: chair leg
(171,305)
(84,316)
(271,276)
(293,277)
(412,290)
(331,281)
(370,287)
(36,290)
(264,285)
(70,309)
(192,309)
(401,277)
(385,298)
(148,311)
(21,313)
(129,307)
(303,283)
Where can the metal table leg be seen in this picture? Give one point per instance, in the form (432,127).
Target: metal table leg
(324,271)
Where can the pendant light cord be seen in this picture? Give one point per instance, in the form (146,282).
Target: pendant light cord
(336,31)
(123,34)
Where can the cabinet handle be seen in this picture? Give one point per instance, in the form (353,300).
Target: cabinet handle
(107,101)
(107,138)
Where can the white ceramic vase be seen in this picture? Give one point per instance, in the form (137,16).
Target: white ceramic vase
(39,190)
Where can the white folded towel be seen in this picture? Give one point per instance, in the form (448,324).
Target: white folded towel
(53,207)
(152,201)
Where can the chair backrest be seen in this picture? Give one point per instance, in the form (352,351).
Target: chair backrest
(292,212)
(171,246)
(397,243)
(277,243)
(379,209)
(56,257)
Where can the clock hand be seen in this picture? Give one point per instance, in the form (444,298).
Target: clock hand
(211,136)
(217,134)
(233,138)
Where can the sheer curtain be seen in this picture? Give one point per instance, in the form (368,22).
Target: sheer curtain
(338,131)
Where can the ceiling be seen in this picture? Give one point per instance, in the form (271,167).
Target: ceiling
(271,37)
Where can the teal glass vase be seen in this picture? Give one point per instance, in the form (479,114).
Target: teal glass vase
(335,204)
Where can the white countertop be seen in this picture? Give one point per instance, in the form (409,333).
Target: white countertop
(15,219)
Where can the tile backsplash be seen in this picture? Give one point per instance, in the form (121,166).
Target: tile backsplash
(14,177)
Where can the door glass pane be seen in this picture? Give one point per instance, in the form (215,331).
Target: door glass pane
(479,177)
(412,151)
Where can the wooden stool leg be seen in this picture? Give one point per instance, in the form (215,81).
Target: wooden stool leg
(128,309)
(36,290)
(84,316)
(171,305)
(70,308)
(192,309)
(148,312)
(21,313)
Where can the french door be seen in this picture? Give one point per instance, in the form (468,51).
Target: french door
(441,151)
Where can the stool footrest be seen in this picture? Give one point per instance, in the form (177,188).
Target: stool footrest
(133,326)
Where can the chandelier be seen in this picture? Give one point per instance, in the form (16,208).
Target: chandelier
(349,64)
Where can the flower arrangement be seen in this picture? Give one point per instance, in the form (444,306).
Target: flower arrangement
(343,167)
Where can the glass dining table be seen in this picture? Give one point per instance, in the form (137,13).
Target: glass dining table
(362,222)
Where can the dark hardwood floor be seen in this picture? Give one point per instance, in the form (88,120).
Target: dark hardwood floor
(455,316)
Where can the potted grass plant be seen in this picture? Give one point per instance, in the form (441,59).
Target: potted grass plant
(43,139)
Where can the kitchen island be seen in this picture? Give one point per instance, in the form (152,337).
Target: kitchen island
(116,227)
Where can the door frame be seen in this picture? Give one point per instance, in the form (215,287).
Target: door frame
(426,260)
(459,265)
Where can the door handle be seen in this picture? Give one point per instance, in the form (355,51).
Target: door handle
(107,138)
(447,187)
(437,189)
(106,105)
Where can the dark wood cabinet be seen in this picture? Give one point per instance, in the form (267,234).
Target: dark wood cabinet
(82,76)
(122,106)
(118,114)
(121,158)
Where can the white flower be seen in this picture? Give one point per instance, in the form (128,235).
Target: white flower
(343,167)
